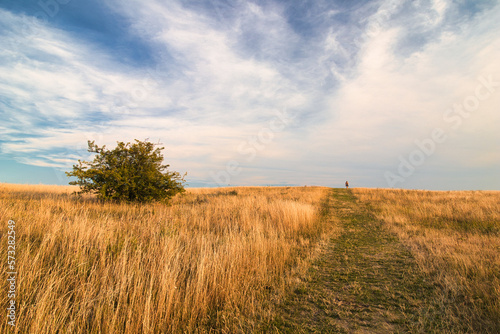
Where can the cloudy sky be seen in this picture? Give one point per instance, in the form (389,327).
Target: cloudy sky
(402,94)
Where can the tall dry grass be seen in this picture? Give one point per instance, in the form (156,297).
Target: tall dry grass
(455,238)
(212,261)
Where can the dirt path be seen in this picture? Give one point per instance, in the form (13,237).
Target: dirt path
(364,281)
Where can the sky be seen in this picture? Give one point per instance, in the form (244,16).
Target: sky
(384,94)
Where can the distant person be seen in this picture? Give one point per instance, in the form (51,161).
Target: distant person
(346,185)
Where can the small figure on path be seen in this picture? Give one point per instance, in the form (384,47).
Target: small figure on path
(346,184)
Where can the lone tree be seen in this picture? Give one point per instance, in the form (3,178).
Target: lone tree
(130,172)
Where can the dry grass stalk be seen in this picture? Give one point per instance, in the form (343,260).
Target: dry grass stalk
(455,238)
(211,260)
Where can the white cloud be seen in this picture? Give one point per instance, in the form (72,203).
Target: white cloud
(394,100)
(217,85)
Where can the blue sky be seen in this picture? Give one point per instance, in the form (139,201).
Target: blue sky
(401,94)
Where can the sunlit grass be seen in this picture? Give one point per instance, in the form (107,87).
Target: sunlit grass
(212,260)
(455,238)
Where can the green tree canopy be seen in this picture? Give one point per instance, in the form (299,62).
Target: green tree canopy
(129,172)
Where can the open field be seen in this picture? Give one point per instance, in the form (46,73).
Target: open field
(214,259)
(255,259)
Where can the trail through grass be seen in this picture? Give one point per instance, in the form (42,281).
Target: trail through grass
(255,260)
(364,281)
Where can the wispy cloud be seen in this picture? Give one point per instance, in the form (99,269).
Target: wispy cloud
(397,98)
(359,81)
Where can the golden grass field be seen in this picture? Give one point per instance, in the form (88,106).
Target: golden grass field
(455,238)
(214,258)
(221,260)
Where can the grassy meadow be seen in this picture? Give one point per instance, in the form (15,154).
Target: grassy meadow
(224,260)
(213,260)
(455,239)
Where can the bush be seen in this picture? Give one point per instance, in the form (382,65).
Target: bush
(130,172)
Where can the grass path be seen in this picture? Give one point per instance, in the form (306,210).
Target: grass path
(364,281)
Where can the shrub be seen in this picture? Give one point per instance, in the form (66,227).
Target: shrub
(130,172)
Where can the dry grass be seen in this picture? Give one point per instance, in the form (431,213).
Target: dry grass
(455,238)
(212,261)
